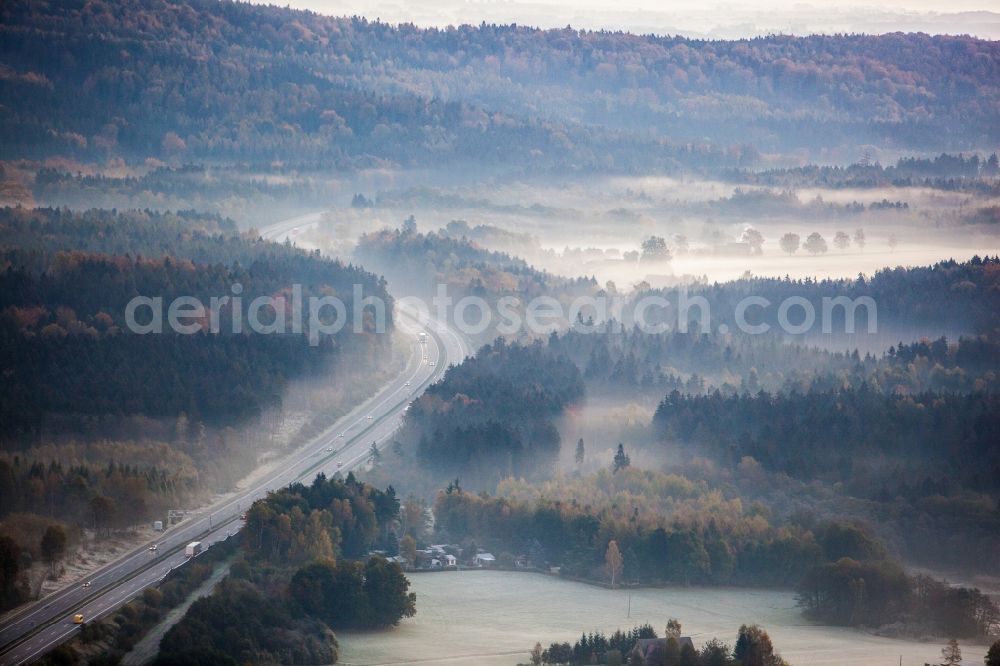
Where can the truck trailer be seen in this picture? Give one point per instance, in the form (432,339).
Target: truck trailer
(193,548)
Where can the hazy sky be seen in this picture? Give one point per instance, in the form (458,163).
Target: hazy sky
(707,18)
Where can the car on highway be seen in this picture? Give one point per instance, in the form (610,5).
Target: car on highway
(87,584)
(370,417)
(407,384)
(339,465)
(152,548)
(341,434)
(78,618)
(431,364)
(329,449)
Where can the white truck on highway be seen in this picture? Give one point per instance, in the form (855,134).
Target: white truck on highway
(193,548)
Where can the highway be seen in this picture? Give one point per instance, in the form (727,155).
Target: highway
(38,627)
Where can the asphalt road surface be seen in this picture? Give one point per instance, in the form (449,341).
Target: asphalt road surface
(37,628)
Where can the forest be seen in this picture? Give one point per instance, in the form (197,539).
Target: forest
(104,428)
(354,93)
(858,437)
(304,571)
(492,416)
(148,148)
(418,262)
(944,297)
(963,173)
(667,528)
(67,352)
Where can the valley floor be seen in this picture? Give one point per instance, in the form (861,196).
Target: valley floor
(493,618)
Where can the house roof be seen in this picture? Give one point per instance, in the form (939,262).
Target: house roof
(649,646)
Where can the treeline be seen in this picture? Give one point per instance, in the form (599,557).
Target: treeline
(67,279)
(641,645)
(640,527)
(786,202)
(298,578)
(157,376)
(192,109)
(877,593)
(493,415)
(202,239)
(667,529)
(112,496)
(946,171)
(618,358)
(854,436)
(284,84)
(923,468)
(949,295)
(444,264)
(256,198)
(418,262)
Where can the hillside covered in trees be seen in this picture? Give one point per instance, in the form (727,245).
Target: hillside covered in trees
(104,427)
(667,528)
(303,573)
(235,81)
(67,280)
(493,415)
(418,262)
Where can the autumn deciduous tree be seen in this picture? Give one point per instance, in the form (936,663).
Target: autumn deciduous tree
(408,548)
(753,647)
(613,562)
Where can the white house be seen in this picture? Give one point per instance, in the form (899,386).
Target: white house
(484,560)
